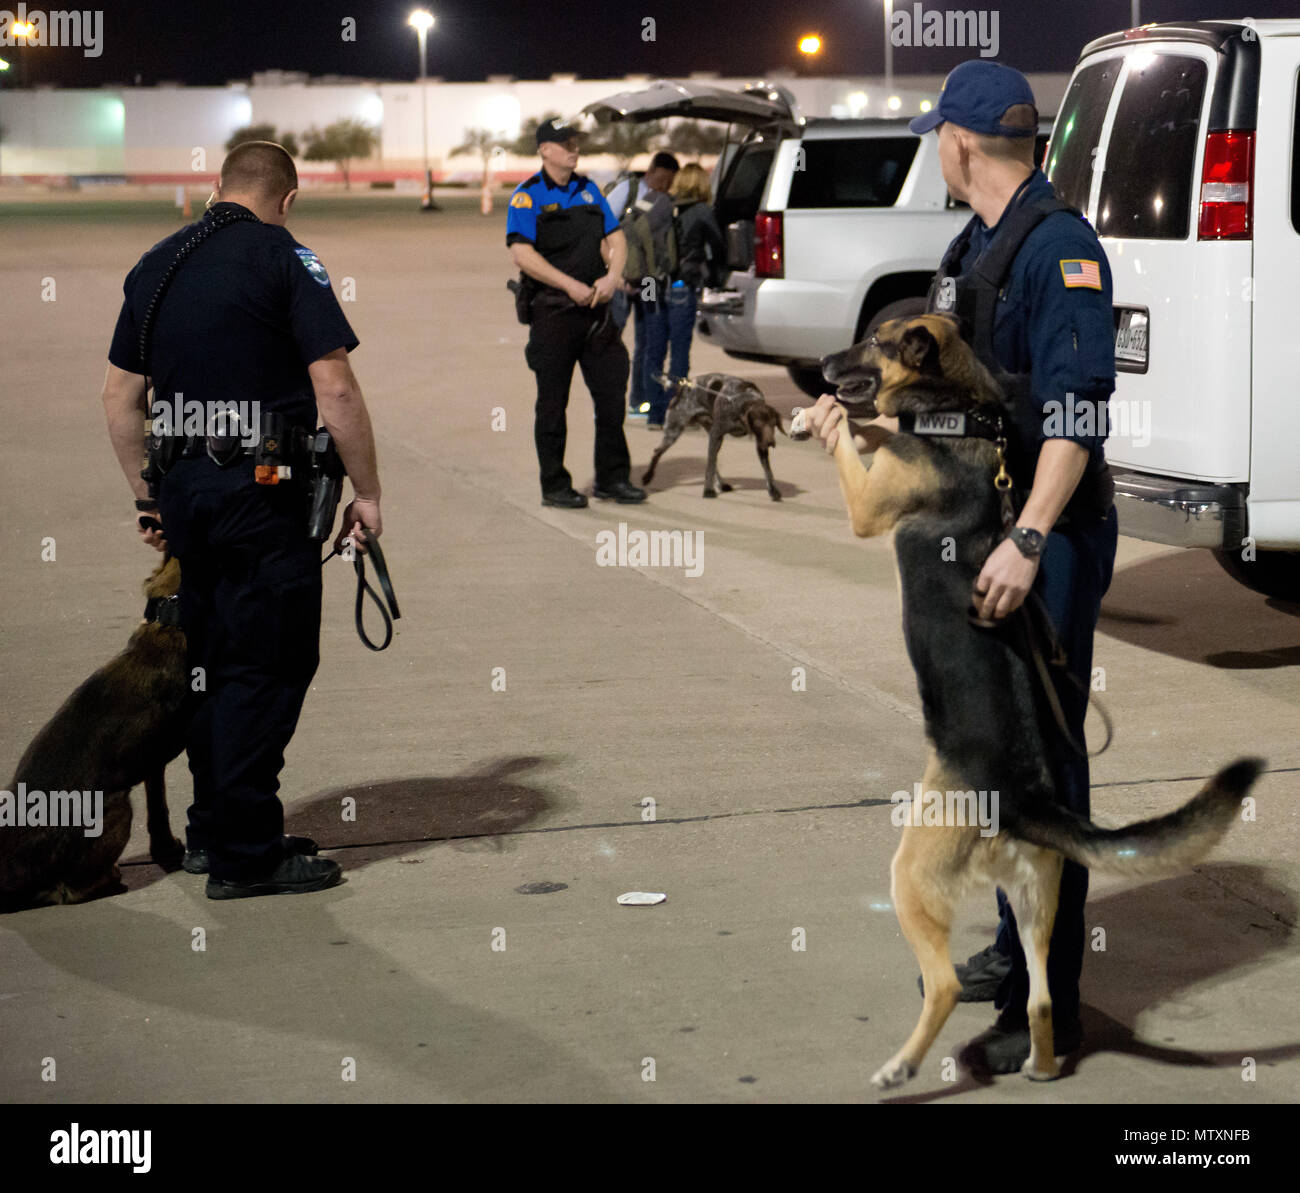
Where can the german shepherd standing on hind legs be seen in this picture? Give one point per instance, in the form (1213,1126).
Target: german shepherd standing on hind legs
(976,690)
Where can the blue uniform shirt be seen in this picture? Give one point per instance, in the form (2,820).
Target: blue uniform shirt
(1054,320)
(566,224)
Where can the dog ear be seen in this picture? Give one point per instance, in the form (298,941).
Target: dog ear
(919,350)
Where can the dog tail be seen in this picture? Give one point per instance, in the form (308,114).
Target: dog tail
(1166,843)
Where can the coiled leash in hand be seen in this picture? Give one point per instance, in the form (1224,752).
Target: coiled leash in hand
(376,554)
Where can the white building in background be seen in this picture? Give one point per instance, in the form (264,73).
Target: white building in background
(175,134)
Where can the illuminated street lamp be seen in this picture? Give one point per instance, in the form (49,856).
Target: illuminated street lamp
(421,20)
(810,44)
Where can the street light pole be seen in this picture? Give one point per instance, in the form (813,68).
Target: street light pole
(889,47)
(421,20)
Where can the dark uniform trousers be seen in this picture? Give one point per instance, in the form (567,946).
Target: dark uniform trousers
(1077,563)
(589,338)
(250,608)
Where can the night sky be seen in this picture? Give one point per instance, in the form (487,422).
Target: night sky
(183,41)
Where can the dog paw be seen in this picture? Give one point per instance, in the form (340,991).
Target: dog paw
(774,495)
(167,854)
(1049,1073)
(726,488)
(645,480)
(893,1074)
(710,492)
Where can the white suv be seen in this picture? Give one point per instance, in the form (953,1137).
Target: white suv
(1181,143)
(832,225)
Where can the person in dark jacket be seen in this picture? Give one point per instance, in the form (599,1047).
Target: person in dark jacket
(701,261)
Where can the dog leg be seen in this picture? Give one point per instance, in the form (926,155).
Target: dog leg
(772,491)
(924,904)
(672,432)
(877,497)
(166,850)
(711,469)
(1035,907)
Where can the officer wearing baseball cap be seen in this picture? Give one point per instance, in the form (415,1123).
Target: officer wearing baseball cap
(1029,282)
(567,243)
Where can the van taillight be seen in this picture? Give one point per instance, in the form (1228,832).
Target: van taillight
(769,247)
(1226,181)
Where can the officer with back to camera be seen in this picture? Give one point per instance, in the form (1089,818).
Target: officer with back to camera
(566,241)
(1038,312)
(247,317)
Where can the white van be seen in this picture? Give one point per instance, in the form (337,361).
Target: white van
(1181,144)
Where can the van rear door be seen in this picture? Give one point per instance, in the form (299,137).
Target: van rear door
(1128,149)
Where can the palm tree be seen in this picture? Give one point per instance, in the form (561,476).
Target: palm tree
(481,141)
(340,143)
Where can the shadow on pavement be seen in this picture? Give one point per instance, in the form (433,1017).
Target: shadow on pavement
(687,472)
(1184,605)
(1164,938)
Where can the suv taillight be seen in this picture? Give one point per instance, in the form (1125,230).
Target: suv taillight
(1226,181)
(769,245)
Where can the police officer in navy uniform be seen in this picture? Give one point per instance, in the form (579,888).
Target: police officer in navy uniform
(564,238)
(247,316)
(1029,280)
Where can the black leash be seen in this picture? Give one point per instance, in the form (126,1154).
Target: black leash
(376,554)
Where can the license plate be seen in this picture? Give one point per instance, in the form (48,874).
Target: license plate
(1132,325)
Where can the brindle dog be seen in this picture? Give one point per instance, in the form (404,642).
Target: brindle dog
(722,405)
(982,716)
(119,728)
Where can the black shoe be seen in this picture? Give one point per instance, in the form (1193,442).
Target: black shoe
(568,499)
(295,875)
(980,977)
(196,860)
(1004,1048)
(621,491)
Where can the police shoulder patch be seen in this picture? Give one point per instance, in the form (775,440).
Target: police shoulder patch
(521,199)
(1080,272)
(313,265)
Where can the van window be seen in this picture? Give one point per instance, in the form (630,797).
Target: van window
(1078,129)
(743,190)
(1146,192)
(856,172)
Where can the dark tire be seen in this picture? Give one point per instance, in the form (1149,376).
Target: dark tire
(1274,573)
(809,379)
(901,309)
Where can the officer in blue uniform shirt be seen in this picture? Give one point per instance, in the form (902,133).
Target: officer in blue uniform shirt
(247,316)
(567,243)
(1038,312)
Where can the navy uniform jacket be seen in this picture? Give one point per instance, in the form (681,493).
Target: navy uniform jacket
(566,224)
(244,316)
(1054,319)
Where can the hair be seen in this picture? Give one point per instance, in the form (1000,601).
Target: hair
(691,183)
(1018,149)
(664,161)
(259,167)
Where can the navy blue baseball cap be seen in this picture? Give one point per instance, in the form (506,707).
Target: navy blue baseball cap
(975,95)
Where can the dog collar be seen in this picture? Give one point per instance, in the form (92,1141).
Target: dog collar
(164,611)
(955,424)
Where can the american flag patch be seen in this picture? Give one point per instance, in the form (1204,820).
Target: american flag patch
(1081,273)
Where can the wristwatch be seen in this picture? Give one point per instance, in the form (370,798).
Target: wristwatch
(1028,542)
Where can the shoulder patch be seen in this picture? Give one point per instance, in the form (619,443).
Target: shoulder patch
(1080,272)
(313,266)
(588,197)
(521,199)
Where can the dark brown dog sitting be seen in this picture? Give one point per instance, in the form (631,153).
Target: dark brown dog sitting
(722,405)
(119,728)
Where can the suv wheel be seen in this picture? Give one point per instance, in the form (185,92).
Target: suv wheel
(1274,573)
(809,379)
